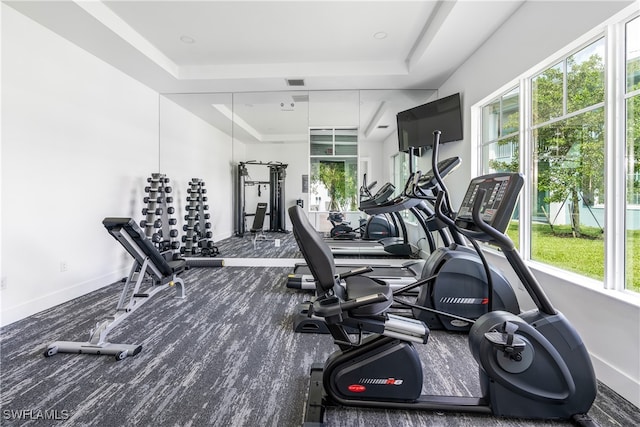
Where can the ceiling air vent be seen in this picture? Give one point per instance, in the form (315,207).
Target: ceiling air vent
(295,82)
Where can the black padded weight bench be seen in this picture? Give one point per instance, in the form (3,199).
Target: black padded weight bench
(257,233)
(154,270)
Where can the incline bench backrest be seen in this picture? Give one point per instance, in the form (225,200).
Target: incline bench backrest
(314,249)
(138,246)
(258,219)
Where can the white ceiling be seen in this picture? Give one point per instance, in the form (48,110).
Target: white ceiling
(254,46)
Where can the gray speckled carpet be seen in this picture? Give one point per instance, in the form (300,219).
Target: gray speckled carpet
(224,356)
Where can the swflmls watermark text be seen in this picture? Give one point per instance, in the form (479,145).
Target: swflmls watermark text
(36,414)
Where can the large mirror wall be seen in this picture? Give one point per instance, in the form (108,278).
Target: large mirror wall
(316,134)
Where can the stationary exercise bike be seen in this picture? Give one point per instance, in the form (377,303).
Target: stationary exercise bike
(533,365)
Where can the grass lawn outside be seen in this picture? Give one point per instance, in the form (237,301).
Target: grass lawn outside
(584,255)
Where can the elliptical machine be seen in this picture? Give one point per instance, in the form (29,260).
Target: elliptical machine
(375,227)
(454,285)
(533,365)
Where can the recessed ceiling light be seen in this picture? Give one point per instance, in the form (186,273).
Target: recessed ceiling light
(380,35)
(187,39)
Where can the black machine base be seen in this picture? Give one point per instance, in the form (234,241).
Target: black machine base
(318,401)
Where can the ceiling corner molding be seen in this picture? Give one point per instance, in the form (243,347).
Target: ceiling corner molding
(277,70)
(429,31)
(108,18)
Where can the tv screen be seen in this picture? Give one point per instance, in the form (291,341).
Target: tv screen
(416,125)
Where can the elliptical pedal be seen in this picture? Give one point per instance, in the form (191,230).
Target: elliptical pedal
(507,342)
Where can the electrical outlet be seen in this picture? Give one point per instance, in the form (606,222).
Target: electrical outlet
(64,266)
(3,283)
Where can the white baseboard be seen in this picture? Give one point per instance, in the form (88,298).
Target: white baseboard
(44,302)
(623,384)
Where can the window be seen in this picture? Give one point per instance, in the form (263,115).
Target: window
(334,169)
(500,133)
(501,141)
(563,136)
(568,163)
(400,177)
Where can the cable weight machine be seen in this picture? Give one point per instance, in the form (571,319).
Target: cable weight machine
(276,209)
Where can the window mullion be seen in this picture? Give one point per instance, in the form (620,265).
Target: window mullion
(615,228)
(526,167)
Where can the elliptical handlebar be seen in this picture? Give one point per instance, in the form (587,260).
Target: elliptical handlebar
(527,278)
(437,206)
(436,172)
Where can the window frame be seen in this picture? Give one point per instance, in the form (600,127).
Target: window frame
(613,32)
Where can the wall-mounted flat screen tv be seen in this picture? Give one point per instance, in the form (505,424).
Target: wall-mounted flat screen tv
(416,125)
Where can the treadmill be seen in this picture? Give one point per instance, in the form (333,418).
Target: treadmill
(399,274)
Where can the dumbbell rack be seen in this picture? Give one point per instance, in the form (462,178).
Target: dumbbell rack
(197,240)
(158,221)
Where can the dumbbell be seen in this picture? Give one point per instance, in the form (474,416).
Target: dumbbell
(175,245)
(157,223)
(149,189)
(173,233)
(208,234)
(207,225)
(156,237)
(169,199)
(152,199)
(207,216)
(173,221)
(167,189)
(157,211)
(170,210)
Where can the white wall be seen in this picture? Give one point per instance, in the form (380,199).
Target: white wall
(609,325)
(373,151)
(191,148)
(79,139)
